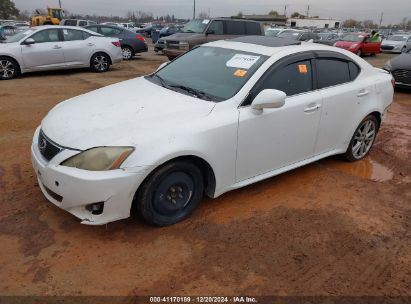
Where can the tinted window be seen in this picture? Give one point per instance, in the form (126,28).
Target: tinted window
(51,35)
(72,35)
(332,72)
(92,28)
(109,31)
(253,28)
(70,22)
(216,27)
(235,28)
(292,79)
(82,23)
(354,70)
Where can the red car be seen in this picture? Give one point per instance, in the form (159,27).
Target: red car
(359,43)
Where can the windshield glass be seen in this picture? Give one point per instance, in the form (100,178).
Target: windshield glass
(397,38)
(19,36)
(196,26)
(271,32)
(353,38)
(289,34)
(216,73)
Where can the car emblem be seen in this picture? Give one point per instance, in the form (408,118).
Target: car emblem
(42,144)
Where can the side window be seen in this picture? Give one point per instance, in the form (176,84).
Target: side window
(70,22)
(332,72)
(109,31)
(304,37)
(51,35)
(93,28)
(216,27)
(354,70)
(72,35)
(82,23)
(235,28)
(294,78)
(252,28)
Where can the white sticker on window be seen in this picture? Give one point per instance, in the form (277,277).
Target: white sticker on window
(242,61)
(65,32)
(206,21)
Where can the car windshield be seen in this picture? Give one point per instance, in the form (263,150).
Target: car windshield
(272,33)
(397,38)
(209,73)
(353,38)
(196,26)
(17,37)
(289,34)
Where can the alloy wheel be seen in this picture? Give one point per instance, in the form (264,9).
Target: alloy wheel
(363,139)
(7,69)
(127,54)
(101,63)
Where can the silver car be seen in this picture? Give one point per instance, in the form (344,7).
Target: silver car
(57,47)
(396,43)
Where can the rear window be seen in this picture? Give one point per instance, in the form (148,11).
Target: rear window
(235,28)
(82,23)
(252,28)
(70,22)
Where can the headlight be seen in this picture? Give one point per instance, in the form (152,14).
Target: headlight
(183,45)
(397,46)
(335,44)
(99,159)
(387,66)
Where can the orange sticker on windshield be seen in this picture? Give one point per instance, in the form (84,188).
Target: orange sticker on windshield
(303,68)
(240,73)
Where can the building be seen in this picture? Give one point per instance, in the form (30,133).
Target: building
(309,22)
(267,19)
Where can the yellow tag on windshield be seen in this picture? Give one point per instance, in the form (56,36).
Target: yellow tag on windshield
(303,68)
(240,73)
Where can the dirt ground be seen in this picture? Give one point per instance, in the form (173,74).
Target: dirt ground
(330,228)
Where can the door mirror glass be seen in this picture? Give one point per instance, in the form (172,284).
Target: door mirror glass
(29,41)
(269,99)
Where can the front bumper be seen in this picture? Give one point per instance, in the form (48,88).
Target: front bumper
(173,53)
(72,189)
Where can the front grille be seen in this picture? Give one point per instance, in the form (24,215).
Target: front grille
(47,148)
(403,76)
(173,44)
(387,47)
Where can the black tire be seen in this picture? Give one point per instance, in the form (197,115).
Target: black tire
(170,194)
(9,68)
(359,53)
(128,52)
(352,154)
(100,63)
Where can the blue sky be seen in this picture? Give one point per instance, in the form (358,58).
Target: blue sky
(394,10)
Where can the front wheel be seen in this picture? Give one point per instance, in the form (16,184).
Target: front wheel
(100,63)
(363,139)
(359,53)
(8,68)
(171,193)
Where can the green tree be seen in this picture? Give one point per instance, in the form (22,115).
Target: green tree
(296,15)
(274,13)
(8,9)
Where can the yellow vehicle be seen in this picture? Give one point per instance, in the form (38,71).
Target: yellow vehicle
(54,16)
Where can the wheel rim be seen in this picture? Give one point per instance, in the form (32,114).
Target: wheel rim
(7,69)
(126,53)
(173,194)
(363,139)
(101,63)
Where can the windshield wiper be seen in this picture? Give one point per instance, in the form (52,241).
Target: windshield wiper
(196,93)
(162,81)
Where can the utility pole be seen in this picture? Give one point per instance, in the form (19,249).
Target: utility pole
(285,10)
(60,3)
(381,18)
(308,10)
(194,14)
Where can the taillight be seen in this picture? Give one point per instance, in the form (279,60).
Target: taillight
(117,43)
(141,38)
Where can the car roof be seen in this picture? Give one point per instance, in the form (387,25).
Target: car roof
(266,41)
(43,27)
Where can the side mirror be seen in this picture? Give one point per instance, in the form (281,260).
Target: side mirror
(210,32)
(162,65)
(269,99)
(29,41)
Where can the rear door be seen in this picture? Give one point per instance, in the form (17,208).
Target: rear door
(77,47)
(46,52)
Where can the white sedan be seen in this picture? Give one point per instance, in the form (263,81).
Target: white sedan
(222,116)
(57,47)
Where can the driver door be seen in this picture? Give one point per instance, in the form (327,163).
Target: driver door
(46,52)
(215,31)
(275,138)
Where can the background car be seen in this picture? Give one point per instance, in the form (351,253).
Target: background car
(400,68)
(146,31)
(359,44)
(7,31)
(170,30)
(273,32)
(327,38)
(299,35)
(396,43)
(131,43)
(76,22)
(160,45)
(57,47)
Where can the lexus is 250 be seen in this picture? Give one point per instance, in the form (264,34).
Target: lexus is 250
(222,116)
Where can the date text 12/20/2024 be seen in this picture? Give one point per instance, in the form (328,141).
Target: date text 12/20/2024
(238,299)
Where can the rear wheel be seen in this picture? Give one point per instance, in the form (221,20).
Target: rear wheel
(127,52)
(363,139)
(171,193)
(8,68)
(100,63)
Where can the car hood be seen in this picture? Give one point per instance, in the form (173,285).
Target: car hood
(346,44)
(391,42)
(185,36)
(402,61)
(120,114)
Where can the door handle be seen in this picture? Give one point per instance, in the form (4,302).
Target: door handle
(363,93)
(90,44)
(313,108)
(56,47)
